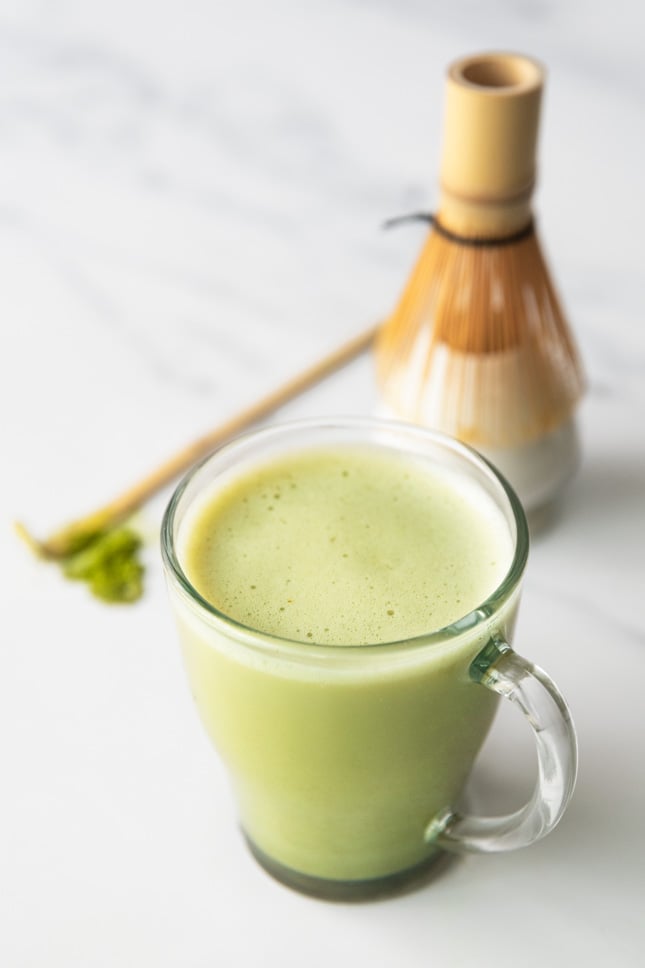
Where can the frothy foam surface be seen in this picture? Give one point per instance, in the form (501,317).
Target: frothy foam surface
(347,546)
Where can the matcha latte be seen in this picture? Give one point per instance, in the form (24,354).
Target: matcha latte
(331,591)
(347,547)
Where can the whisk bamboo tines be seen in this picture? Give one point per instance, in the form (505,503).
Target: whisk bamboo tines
(478,345)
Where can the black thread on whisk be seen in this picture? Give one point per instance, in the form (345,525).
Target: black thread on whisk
(476,241)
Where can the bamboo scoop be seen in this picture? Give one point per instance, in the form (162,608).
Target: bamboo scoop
(479,346)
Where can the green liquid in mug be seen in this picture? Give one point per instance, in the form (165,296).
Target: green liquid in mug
(339,764)
(347,549)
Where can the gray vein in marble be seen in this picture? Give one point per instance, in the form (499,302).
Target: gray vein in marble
(257,154)
(591,605)
(92,99)
(602,49)
(198,373)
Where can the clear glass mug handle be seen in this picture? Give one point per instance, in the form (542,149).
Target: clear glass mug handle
(500,669)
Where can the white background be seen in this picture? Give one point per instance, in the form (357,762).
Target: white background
(190,205)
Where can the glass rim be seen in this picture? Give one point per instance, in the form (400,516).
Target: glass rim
(475,617)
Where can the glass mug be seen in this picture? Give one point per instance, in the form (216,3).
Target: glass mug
(346,761)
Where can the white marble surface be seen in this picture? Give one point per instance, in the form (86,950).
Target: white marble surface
(190,201)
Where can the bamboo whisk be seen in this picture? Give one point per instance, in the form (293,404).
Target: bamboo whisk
(478,346)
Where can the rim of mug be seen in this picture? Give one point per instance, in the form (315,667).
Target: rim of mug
(254,636)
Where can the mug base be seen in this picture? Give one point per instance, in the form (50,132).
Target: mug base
(399,882)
